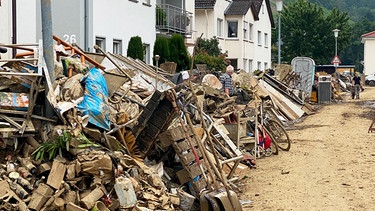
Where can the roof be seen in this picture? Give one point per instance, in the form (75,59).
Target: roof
(204,4)
(238,7)
(369,35)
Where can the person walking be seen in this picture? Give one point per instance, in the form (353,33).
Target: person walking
(226,81)
(356,82)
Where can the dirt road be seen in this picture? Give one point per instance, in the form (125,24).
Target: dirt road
(331,165)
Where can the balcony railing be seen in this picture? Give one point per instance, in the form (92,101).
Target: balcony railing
(171,19)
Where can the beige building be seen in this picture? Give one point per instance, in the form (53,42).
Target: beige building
(242,27)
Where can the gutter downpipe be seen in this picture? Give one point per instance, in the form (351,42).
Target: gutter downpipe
(14,25)
(207,30)
(48,46)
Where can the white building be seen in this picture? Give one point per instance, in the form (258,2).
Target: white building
(243,28)
(369,51)
(108,23)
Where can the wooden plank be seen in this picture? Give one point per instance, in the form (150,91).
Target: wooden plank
(199,184)
(183,146)
(293,108)
(230,143)
(194,170)
(175,134)
(187,159)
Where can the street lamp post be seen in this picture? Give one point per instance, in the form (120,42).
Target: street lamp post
(336,34)
(279,8)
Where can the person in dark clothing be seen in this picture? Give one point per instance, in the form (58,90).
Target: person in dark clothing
(356,82)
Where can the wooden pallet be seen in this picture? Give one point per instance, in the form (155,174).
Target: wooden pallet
(191,171)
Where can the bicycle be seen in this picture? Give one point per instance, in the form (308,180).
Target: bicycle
(265,142)
(275,127)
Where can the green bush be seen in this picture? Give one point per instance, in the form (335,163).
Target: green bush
(178,52)
(161,48)
(135,48)
(214,63)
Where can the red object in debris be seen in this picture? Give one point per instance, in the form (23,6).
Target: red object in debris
(107,200)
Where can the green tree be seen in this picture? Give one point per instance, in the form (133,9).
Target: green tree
(161,48)
(135,48)
(178,52)
(208,52)
(306,31)
(209,46)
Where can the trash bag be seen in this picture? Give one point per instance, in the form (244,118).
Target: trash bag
(95,99)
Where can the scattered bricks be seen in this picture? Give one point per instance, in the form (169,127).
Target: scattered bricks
(52,199)
(58,204)
(57,174)
(89,201)
(70,196)
(72,207)
(40,196)
(44,167)
(71,171)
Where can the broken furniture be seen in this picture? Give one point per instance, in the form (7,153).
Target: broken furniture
(17,108)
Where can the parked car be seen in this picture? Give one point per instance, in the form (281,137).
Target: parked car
(370,80)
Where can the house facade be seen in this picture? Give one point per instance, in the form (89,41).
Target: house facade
(243,28)
(107,23)
(368,40)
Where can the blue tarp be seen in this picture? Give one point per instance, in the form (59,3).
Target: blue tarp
(95,99)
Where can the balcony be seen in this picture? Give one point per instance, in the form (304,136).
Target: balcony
(171,19)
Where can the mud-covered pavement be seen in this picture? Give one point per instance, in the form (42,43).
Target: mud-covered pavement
(329,167)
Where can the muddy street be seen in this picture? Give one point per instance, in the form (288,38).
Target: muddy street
(330,164)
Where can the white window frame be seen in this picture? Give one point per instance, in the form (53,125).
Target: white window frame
(146,53)
(100,41)
(117,46)
(244,65)
(250,65)
(265,40)
(259,38)
(236,33)
(251,29)
(259,66)
(265,65)
(245,24)
(219,32)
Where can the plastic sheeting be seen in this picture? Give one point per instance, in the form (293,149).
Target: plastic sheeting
(95,99)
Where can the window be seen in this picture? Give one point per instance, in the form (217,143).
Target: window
(117,46)
(265,40)
(220,27)
(265,65)
(250,65)
(146,53)
(232,28)
(259,38)
(250,31)
(146,2)
(259,65)
(100,41)
(262,8)
(244,64)
(245,30)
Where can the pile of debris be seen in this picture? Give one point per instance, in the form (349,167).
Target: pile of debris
(124,136)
